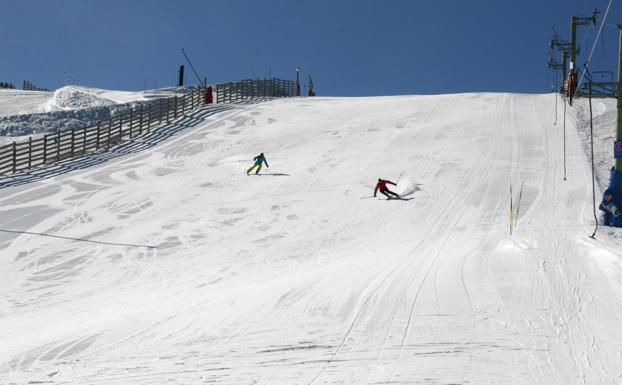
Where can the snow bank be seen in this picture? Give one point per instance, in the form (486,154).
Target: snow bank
(604,113)
(72,98)
(16,102)
(66,108)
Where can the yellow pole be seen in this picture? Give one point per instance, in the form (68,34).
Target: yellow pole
(511,208)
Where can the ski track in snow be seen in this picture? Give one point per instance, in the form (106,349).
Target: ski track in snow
(291,278)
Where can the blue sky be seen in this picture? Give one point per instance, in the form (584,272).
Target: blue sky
(349,47)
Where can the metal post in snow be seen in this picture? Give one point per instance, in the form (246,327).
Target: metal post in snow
(555,91)
(564,65)
(564,136)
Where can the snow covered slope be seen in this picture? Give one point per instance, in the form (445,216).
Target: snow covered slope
(171,265)
(16,102)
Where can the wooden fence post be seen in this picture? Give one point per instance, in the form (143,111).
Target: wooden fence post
(149,111)
(45,148)
(120,127)
(165,103)
(99,128)
(160,102)
(131,123)
(110,132)
(14,157)
(140,121)
(84,142)
(58,146)
(168,109)
(30,152)
(73,136)
(120,131)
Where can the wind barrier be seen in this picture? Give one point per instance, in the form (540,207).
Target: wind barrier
(135,122)
(248,89)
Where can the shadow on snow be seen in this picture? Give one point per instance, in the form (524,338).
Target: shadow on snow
(129,147)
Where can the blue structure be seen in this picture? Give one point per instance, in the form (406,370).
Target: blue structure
(611,204)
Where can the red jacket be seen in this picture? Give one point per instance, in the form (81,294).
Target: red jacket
(382,185)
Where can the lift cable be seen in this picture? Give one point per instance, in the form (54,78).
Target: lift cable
(589,59)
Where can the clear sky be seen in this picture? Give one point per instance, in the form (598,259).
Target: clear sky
(349,47)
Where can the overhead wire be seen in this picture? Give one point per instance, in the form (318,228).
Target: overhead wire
(586,65)
(602,50)
(602,24)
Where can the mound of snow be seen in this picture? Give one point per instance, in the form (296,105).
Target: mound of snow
(19,102)
(66,108)
(73,98)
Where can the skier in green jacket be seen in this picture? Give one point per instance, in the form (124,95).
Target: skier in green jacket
(259,160)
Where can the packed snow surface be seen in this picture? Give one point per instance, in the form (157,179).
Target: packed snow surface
(171,265)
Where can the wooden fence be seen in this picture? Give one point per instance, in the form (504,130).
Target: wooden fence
(248,89)
(137,121)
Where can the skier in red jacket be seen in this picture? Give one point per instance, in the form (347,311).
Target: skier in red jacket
(382,186)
